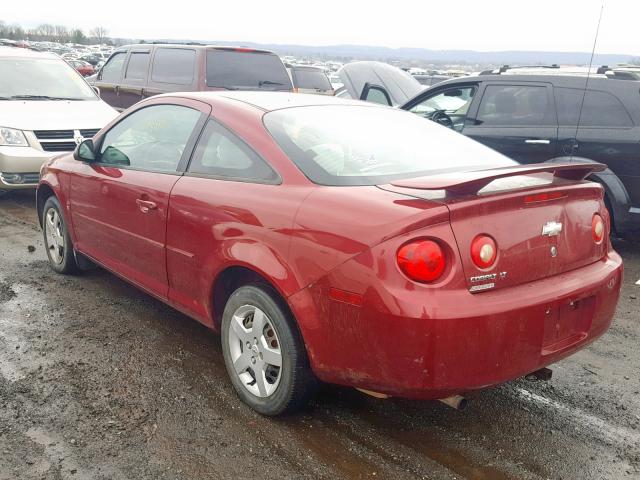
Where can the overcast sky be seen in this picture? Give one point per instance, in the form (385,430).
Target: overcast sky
(487,25)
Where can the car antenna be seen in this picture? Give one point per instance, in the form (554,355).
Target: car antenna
(574,146)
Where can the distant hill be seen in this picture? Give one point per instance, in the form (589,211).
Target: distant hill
(426,56)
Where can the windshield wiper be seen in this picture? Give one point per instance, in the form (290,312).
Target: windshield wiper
(268,82)
(40,97)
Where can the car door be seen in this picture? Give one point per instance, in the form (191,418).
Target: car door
(517,119)
(606,134)
(109,79)
(119,202)
(135,77)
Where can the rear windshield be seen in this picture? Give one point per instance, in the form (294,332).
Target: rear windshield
(362,145)
(239,70)
(308,78)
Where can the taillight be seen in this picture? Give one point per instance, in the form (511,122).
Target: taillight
(598,228)
(483,251)
(422,260)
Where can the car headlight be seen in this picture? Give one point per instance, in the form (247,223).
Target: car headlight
(12,137)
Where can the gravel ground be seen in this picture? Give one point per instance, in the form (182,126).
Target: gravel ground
(98,380)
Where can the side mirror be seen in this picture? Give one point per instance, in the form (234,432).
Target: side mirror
(96,89)
(85,152)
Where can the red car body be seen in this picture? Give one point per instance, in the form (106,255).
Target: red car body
(331,253)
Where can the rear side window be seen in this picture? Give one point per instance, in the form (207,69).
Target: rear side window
(138,66)
(310,78)
(246,70)
(220,153)
(600,109)
(514,105)
(112,70)
(174,65)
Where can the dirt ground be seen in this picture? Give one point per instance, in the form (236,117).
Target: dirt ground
(100,381)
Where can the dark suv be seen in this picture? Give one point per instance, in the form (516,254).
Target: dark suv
(535,117)
(135,72)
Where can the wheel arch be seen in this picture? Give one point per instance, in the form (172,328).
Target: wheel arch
(230,279)
(616,194)
(43,192)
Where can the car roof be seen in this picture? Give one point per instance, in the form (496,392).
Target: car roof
(566,80)
(269,101)
(17,52)
(196,46)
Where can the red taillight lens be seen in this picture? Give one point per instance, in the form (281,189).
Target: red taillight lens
(422,260)
(598,228)
(483,251)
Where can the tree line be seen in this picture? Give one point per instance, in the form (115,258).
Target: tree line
(47,32)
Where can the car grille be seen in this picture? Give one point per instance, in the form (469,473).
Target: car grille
(53,134)
(58,146)
(61,140)
(89,133)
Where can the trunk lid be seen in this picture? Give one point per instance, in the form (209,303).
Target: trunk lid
(540,219)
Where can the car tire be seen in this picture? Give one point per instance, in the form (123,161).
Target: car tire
(57,240)
(250,354)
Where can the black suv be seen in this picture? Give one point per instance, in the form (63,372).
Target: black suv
(534,118)
(531,114)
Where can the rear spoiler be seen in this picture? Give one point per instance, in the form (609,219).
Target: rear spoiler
(469,183)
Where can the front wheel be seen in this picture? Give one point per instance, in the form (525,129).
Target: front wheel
(264,352)
(56,238)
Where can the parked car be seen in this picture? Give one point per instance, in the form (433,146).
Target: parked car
(308,79)
(532,116)
(382,257)
(46,108)
(83,68)
(377,82)
(136,72)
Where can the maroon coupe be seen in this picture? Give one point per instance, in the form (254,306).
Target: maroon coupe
(338,241)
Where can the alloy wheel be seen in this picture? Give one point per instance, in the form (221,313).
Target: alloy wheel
(54,235)
(255,351)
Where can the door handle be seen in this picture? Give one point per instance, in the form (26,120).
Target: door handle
(537,141)
(146,205)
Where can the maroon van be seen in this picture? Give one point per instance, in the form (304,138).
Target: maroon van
(136,72)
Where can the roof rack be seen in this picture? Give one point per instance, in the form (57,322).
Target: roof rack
(160,42)
(505,68)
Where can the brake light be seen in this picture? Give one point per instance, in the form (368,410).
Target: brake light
(422,260)
(598,228)
(483,251)
(543,197)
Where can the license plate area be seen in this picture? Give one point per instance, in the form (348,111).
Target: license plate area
(567,323)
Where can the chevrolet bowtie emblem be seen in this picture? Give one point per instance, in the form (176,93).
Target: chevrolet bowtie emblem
(551,229)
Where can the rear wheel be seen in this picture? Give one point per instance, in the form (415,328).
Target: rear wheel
(264,352)
(56,238)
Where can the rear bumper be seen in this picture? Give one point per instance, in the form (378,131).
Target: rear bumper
(430,345)
(25,161)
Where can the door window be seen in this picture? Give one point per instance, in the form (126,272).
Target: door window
(220,153)
(376,95)
(453,103)
(112,70)
(600,109)
(173,65)
(153,138)
(138,66)
(515,105)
